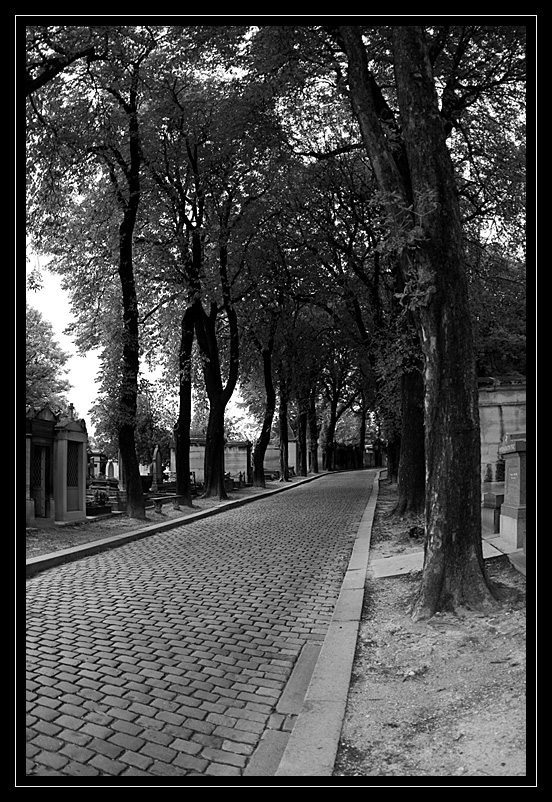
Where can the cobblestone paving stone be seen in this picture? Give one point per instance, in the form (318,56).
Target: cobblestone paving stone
(168,656)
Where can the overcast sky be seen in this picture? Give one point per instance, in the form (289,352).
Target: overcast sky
(52,302)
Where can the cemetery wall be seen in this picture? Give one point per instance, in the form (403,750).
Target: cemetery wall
(502,409)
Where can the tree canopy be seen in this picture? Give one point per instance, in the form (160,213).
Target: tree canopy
(45,381)
(317,212)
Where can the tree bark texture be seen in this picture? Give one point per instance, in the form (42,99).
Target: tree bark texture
(313,434)
(302,440)
(270,405)
(218,393)
(131,353)
(283,428)
(362,431)
(214,437)
(329,445)
(411,469)
(393,451)
(454,572)
(214,450)
(182,429)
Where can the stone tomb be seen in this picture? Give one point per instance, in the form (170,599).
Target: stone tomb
(513,510)
(56,466)
(493,498)
(502,409)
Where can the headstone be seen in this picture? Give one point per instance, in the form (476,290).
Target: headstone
(513,510)
(490,508)
(157,470)
(122,493)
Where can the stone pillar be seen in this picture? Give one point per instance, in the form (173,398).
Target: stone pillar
(70,507)
(173,460)
(60,477)
(513,510)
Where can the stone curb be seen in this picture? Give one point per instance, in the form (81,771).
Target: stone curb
(312,746)
(35,565)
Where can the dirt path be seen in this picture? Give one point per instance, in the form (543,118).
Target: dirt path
(443,698)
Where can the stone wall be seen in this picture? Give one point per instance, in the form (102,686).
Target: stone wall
(502,409)
(237,457)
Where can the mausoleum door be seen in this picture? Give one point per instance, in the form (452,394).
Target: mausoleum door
(73,462)
(38,480)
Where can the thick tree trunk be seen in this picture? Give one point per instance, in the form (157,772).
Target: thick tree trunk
(214,450)
(135,506)
(329,445)
(283,427)
(128,392)
(393,451)
(214,443)
(302,440)
(454,571)
(182,429)
(270,406)
(313,435)
(424,202)
(411,469)
(218,394)
(362,435)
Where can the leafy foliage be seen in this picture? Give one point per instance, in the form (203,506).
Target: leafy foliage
(252,165)
(45,361)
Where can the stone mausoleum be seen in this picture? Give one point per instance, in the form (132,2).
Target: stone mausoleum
(56,466)
(502,409)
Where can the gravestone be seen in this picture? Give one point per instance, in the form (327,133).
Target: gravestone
(120,504)
(513,510)
(490,508)
(157,470)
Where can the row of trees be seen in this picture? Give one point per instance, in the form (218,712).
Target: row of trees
(301,208)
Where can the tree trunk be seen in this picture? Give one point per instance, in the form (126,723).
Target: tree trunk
(362,434)
(411,469)
(393,457)
(454,571)
(283,426)
(182,429)
(131,352)
(329,438)
(313,434)
(270,405)
(214,450)
(302,440)
(214,437)
(218,394)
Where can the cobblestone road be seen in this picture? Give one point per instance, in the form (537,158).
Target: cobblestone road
(168,656)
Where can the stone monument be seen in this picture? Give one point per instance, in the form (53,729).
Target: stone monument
(513,510)
(157,470)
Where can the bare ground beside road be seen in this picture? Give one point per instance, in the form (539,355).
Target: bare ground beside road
(443,698)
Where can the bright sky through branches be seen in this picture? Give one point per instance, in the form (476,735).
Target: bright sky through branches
(52,303)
